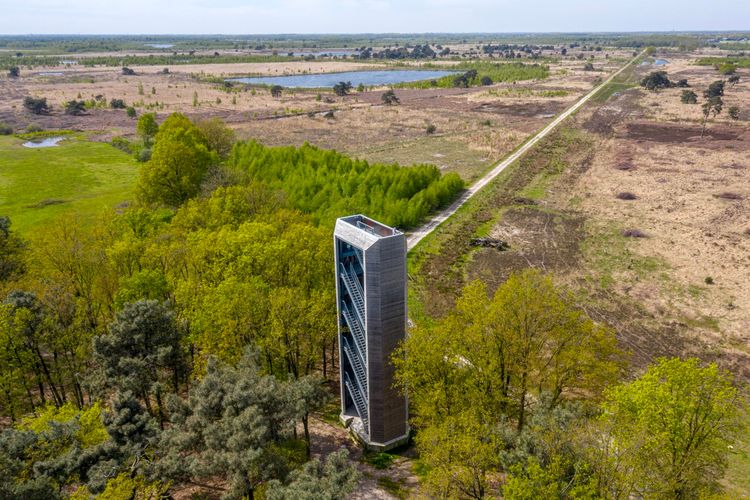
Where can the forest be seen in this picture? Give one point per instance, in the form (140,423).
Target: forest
(131,344)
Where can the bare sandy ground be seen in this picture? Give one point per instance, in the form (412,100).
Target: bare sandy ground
(692,203)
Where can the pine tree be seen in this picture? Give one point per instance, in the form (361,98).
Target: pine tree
(334,479)
(141,347)
(235,423)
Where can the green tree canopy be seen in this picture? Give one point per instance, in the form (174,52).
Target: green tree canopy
(669,430)
(656,80)
(178,164)
(140,351)
(235,424)
(498,359)
(11,251)
(333,479)
(219,137)
(147,128)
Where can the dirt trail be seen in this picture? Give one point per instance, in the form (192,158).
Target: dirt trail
(420,233)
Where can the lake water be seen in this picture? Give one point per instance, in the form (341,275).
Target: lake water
(331,53)
(159,45)
(47,142)
(50,73)
(356,77)
(655,62)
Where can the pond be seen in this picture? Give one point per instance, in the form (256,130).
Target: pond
(47,142)
(321,80)
(655,62)
(159,45)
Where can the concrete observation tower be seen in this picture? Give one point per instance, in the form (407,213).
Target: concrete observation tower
(371,302)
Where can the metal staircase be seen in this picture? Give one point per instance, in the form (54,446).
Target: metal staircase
(356,350)
(353,287)
(357,363)
(359,401)
(356,329)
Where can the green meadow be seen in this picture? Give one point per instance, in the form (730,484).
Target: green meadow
(76,176)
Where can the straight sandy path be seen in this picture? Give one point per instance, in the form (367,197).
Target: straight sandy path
(420,233)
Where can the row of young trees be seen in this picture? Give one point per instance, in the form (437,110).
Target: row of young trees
(522,382)
(327,184)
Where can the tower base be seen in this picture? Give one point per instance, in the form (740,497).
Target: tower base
(357,431)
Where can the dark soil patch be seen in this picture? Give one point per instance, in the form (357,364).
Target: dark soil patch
(525,110)
(615,111)
(539,239)
(668,133)
(728,196)
(633,233)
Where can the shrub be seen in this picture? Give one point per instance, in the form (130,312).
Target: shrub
(656,80)
(130,110)
(342,88)
(33,128)
(127,71)
(75,108)
(37,105)
(682,83)
(734,112)
(486,81)
(709,280)
(14,72)
(716,89)
(144,155)
(5,129)
(380,460)
(276,91)
(122,144)
(431,129)
(389,97)
(727,69)
(588,67)
(117,104)
(626,195)
(689,97)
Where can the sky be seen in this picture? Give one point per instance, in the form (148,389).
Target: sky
(367,16)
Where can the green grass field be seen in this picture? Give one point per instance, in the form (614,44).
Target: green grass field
(38,185)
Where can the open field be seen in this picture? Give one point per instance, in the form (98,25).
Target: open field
(688,274)
(474,127)
(39,185)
